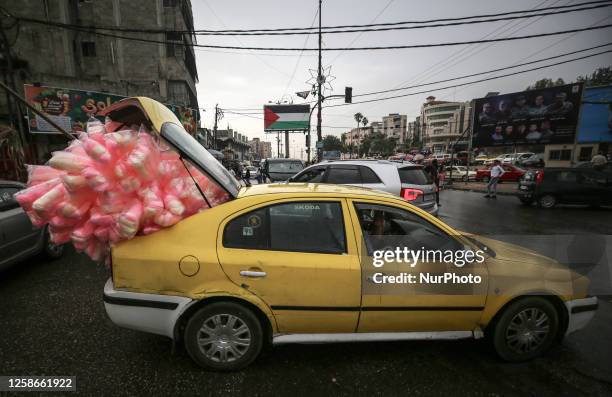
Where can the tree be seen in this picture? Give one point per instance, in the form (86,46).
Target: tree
(601,76)
(331,142)
(358,118)
(364,121)
(545,83)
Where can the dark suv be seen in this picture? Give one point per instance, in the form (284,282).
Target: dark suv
(552,186)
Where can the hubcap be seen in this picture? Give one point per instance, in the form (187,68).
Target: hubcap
(224,338)
(547,201)
(527,330)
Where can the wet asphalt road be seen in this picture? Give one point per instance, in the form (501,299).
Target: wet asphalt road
(53,323)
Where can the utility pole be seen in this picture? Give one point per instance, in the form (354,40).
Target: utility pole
(319,87)
(286,144)
(215,127)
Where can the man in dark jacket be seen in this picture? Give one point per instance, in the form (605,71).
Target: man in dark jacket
(432,170)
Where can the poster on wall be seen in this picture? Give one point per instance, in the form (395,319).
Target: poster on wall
(71,109)
(596,115)
(543,116)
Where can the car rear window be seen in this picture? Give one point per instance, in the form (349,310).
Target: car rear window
(414,176)
(368,175)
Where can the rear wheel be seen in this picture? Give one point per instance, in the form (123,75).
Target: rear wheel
(223,336)
(547,201)
(526,329)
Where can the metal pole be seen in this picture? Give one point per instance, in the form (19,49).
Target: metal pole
(215,126)
(319,84)
(38,112)
(286,144)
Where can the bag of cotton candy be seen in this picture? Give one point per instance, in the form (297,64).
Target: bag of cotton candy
(109,186)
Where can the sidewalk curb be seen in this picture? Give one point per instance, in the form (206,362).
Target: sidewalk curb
(484,191)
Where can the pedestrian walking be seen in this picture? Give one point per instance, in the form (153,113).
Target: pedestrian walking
(496,172)
(433,171)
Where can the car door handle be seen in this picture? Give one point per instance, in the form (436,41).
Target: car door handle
(252,273)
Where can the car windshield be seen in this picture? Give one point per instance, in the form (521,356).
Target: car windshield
(285,166)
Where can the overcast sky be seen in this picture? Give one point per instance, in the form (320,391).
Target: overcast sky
(249,79)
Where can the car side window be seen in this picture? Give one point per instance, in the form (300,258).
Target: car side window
(312,175)
(567,176)
(368,175)
(385,227)
(344,175)
(7,199)
(312,226)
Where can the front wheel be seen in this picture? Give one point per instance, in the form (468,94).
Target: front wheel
(223,336)
(526,329)
(547,201)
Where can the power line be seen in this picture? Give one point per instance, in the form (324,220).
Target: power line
(601,3)
(473,82)
(397,47)
(384,29)
(484,72)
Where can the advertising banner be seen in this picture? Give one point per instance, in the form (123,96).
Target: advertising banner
(72,108)
(596,115)
(543,116)
(286,118)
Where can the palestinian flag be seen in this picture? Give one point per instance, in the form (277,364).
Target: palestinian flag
(286,117)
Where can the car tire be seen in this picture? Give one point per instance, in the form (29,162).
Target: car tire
(526,329)
(526,202)
(52,250)
(232,339)
(486,179)
(547,201)
(464,178)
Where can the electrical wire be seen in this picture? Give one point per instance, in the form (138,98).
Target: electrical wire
(330,29)
(397,47)
(472,82)
(483,72)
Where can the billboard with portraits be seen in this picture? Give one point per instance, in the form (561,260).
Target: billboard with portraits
(543,116)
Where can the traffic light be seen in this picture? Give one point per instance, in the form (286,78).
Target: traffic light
(348,94)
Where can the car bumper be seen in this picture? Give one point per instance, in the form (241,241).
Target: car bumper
(151,313)
(580,313)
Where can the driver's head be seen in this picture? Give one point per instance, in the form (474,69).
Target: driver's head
(379,223)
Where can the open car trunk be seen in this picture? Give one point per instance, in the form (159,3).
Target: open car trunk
(163,123)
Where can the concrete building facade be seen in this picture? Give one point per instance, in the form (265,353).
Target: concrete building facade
(260,149)
(394,126)
(77,59)
(442,123)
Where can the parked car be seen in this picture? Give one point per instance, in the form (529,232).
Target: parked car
(406,180)
(552,186)
(535,160)
(459,172)
(282,169)
(511,173)
(441,157)
(283,263)
(254,171)
(19,239)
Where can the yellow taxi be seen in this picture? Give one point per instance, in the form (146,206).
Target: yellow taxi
(300,263)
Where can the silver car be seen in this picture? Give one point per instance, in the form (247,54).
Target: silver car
(18,238)
(406,180)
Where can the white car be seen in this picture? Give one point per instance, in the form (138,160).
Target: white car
(459,172)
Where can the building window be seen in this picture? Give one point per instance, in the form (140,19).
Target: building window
(177,92)
(88,48)
(174,45)
(560,155)
(585,153)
